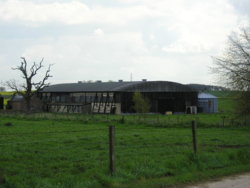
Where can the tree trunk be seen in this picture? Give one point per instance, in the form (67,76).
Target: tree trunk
(28,104)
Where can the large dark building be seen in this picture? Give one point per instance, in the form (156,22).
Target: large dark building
(116,97)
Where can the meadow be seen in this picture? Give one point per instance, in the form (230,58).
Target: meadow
(63,150)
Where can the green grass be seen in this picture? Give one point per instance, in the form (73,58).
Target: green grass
(227,100)
(56,150)
(71,150)
(155,120)
(7,93)
(224,94)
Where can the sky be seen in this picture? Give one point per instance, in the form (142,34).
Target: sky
(170,40)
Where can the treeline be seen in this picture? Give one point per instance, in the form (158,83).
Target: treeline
(204,88)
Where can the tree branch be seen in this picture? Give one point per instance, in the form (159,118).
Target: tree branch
(26,89)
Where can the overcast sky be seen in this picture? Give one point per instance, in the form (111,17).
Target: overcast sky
(105,40)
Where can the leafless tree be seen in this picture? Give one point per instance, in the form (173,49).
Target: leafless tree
(233,67)
(29,88)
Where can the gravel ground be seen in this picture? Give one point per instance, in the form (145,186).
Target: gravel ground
(239,181)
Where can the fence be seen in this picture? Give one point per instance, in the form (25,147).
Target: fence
(114,147)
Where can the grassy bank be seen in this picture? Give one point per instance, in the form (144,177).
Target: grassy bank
(53,150)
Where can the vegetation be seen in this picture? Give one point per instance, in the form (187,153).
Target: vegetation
(7,95)
(55,150)
(141,104)
(227,101)
(233,67)
(71,150)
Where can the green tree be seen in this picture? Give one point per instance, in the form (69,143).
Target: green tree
(233,67)
(141,104)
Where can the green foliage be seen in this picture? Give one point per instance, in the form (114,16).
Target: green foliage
(54,150)
(7,95)
(122,120)
(233,101)
(227,101)
(141,104)
(225,94)
(243,105)
(152,120)
(232,67)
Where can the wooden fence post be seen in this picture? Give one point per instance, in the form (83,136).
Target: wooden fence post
(194,128)
(223,121)
(112,165)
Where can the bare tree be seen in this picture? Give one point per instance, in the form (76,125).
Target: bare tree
(233,67)
(29,88)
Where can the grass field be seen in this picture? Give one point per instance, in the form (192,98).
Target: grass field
(55,150)
(72,150)
(227,100)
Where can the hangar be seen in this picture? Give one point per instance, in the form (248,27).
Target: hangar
(116,97)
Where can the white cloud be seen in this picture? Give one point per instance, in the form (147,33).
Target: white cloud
(89,57)
(199,25)
(203,26)
(28,11)
(71,12)
(171,68)
(163,39)
(98,32)
(113,57)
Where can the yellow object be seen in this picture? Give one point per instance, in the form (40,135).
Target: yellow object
(169,113)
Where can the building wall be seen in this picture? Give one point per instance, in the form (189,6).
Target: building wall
(117,102)
(160,102)
(20,105)
(68,108)
(209,105)
(16,105)
(86,102)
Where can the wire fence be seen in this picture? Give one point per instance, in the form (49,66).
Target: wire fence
(116,144)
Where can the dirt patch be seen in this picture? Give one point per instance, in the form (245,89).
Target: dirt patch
(239,181)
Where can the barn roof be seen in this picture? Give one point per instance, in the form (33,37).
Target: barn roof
(17,98)
(206,96)
(141,86)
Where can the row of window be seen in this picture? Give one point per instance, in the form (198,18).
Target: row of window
(78,97)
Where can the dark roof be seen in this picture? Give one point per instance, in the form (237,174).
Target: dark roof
(141,86)
(17,98)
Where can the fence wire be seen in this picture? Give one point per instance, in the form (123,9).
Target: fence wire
(130,143)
